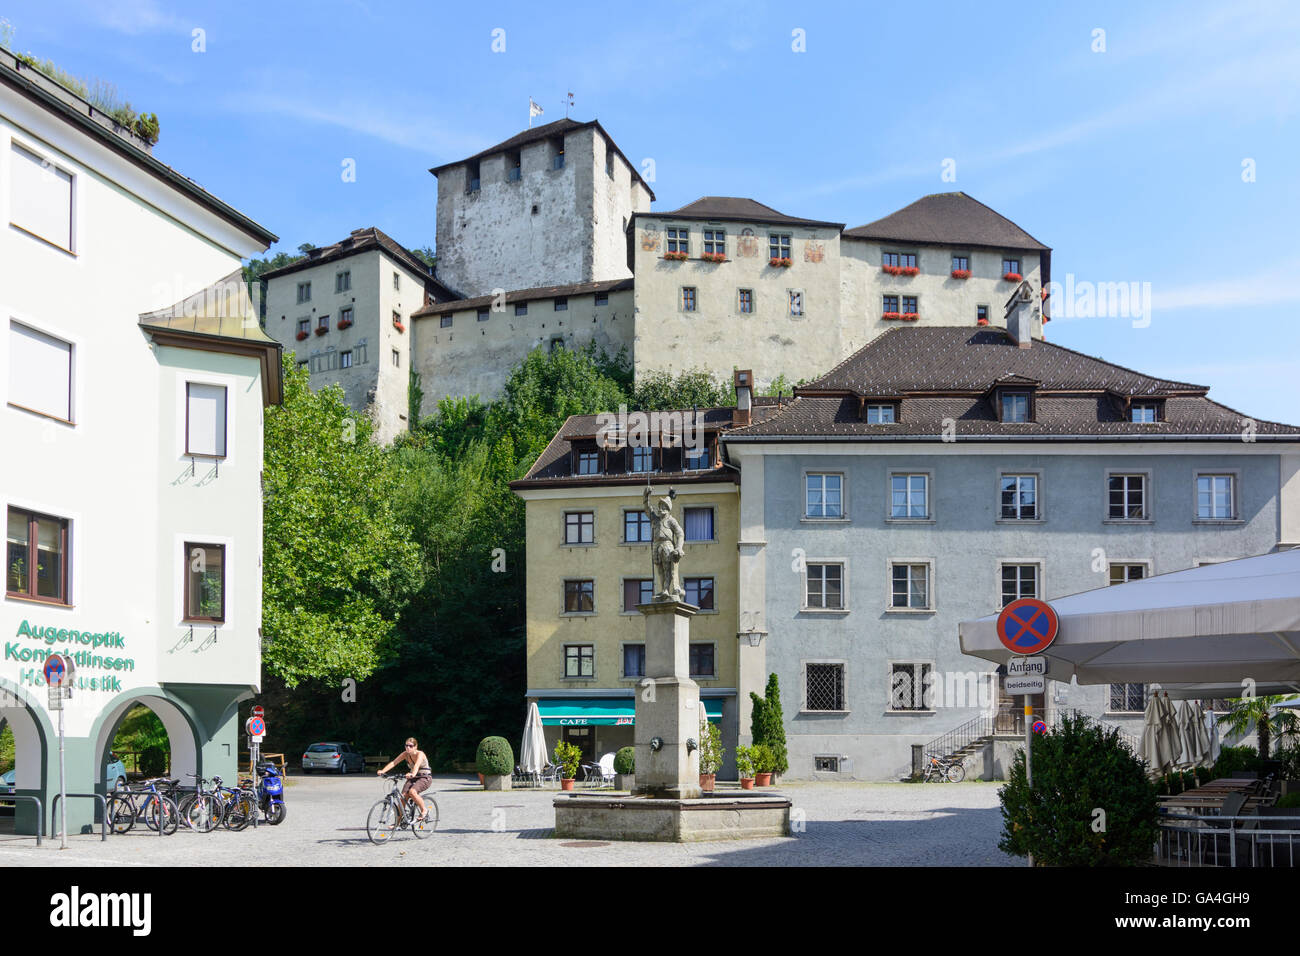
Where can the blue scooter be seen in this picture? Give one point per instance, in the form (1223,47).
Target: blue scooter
(270,795)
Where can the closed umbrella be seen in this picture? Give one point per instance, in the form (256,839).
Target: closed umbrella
(1212,732)
(1202,732)
(1151,736)
(1172,735)
(532,755)
(1189,720)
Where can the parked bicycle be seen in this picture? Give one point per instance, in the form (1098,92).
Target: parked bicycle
(202,810)
(943,768)
(125,807)
(394,812)
(239,805)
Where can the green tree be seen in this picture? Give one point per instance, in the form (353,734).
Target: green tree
(690,389)
(1246,712)
(767,723)
(425,255)
(254,268)
(337,564)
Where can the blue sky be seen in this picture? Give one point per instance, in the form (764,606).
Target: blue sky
(1127,162)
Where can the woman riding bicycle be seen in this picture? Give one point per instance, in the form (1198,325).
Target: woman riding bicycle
(418,779)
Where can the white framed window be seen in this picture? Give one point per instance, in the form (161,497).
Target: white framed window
(745,301)
(343,281)
(715,242)
(205,420)
(1215,497)
(910,686)
(637,591)
(823,495)
(824,586)
(345,359)
(778,245)
(397,281)
(397,359)
(909,586)
(824,686)
(697,524)
(1020,581)
(1019,498)
(1121,572)
(41,197)
(909,496)
(1011,266)
(679,241)
(688,298)
(40,372)
(1127,497)
(304,292)
(579,527)
(880,414)
(641,459)
(1147,413)
(1014,407)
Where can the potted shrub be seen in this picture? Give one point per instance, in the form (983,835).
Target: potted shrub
(495,762)
(745,766)
(981,321)
(568,756)
(711,752)
(764,764)
(625,769)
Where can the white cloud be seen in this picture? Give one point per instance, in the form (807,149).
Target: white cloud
(136,17)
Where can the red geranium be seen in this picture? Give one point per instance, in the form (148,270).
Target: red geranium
(303,335)
(714,257)
(784,262)
(909,271)
(322,329)
(1012,276)
(909,316)
(981,321)
(345,324)
(961,273)
(675,256)
(399,326)
(891,315)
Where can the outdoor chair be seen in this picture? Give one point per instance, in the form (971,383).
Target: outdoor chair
(1218,846)
(607,770)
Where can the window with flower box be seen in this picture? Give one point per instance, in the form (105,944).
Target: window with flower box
(1011,270)
(889,307)
(322,324)
(909,306)
(982,314)
(679,242)
(961,264)
(899,263)
(778,245)
(715,242)
(345,317)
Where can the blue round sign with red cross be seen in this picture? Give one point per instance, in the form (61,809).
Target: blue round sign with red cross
(1027,626)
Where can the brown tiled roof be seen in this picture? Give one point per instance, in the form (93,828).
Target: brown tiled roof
(537,134)
(524,295)
(946,373)
(553,466)
(363,240)
(948,219)
(737,208)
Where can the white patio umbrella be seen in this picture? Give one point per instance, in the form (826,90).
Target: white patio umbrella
(1153,740)
(532,754)
(1189,720)
(1212,731)
(1212,625)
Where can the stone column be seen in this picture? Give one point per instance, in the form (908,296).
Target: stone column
(673,713)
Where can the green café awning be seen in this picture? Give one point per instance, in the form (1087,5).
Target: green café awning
(603,711)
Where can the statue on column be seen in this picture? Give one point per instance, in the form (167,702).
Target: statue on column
(667,545)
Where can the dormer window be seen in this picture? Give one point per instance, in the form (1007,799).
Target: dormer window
(1147,413)
(881,414)
(587,463)
(1014,407)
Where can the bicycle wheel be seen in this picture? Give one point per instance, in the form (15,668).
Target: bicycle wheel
(121,814)
(432,806)
(239,812)
(422,828)
(956,773)
(183,804)
(203,814)
(167,809)
(382,821)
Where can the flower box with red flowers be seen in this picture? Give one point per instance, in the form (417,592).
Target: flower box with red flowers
(909,271)
(399,326)
(322,329)
(981,321)
(303,335)
(961,273)
(891,315)
(1012,277)
(909,316)
(784,262)
(892,270)
(714,257)
(675,256)
(345,324)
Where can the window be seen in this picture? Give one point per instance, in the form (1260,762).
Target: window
(558,162)
(634,660)
(579,527)
(778,246)
(1019,497)
(679,241)
(304,327)
(1014,407)
(909,305)
(1123,573)
(910,586)
(1128,698)
(397,319)
(483,314)
(1214,497)
(702,660)
(1145,412)
(609,164)
(796,301)
(636,527)
(697,523)
(715,242)
(901,260)
(907,686)
(205,420)
(826,764)
(960,264)
(345,317)
(397,282)
(445,322)
(602,298)
(514,172)
(908,496)
(345,359)
(521,308)
(304,292)
(579,597)
(472,174)
(636,591)
(205,579)
(698,459)
(824,686)
(981,313)
(40,197)
(323,322)
(825,586)
(889,304)
(561,304)
(1019,581)
(823,496)
(699,591)
(1011,266)
(746,301)
(40,372)
(342,281)
(397,359)
(688,298)
(580,660)
(40,541)
(880,414)
(1127,497)
(641,458)
(588,463)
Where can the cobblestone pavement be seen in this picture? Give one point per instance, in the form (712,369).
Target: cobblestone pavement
(837,824)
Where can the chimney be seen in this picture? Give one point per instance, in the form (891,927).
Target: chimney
(744,382)
(1024,316)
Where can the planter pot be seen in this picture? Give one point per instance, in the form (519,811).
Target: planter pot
(706,782)
(566,783)
(624,781)
(496,781)
(480,779)
(746,783)
(763,779)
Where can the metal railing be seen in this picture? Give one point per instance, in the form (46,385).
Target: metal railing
(103,806)
(1227,841)
(40,812)
(967,733)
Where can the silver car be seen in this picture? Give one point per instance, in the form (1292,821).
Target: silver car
(337,756)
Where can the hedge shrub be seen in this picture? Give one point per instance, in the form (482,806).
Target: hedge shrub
(625,761)
(494,757)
